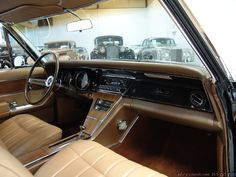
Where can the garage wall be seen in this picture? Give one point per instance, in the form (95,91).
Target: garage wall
(122,22)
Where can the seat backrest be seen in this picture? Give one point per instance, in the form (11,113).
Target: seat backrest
(10,166)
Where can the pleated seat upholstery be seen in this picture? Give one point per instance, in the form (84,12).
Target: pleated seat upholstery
(24,133)
(90,159)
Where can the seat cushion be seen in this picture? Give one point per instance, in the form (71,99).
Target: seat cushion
(24,133)
(90,159)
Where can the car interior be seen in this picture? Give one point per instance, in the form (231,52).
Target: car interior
(105,118)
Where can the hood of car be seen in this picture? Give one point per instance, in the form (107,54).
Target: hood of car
(15,11)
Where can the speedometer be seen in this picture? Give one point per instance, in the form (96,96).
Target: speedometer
(82,81)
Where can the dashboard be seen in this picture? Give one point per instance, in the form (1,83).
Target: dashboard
(157,88)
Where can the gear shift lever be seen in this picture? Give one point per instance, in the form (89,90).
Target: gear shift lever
(82,128)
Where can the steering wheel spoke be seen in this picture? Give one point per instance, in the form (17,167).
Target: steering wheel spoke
(41,82)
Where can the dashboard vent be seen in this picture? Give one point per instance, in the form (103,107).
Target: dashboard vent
(197,99)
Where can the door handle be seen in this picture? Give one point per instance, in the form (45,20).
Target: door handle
(13,105)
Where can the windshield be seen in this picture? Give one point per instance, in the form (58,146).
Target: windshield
(140,31)
(217,22)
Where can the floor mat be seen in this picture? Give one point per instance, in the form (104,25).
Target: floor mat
(170,149)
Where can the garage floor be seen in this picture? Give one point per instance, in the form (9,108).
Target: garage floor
(170,149)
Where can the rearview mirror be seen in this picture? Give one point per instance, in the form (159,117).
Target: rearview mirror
(79,25)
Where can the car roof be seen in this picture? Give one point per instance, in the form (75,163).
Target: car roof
(167,38)
(114,36)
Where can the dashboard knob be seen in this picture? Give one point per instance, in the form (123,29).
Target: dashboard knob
(122,125)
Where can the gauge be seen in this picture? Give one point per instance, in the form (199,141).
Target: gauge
(82,81)
(67,79)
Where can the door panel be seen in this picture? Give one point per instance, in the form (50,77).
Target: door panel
(12,84)
(4,109)
(18,74)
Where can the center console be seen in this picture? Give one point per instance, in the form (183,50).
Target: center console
(101,108)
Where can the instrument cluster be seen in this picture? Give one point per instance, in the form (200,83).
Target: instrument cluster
(75,80)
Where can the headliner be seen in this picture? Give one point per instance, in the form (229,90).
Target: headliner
(15,11)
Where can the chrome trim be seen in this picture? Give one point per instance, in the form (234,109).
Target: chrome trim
(41,159)
(20,108)
(119,76)
(108,91)
(99,123)
(56,147)
(93,118)
(158,76)
(128,129)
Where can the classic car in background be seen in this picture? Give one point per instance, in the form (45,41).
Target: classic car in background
(83,53)
(65,50)
(164,49)
(111,47)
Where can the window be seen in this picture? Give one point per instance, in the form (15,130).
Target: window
(12,55)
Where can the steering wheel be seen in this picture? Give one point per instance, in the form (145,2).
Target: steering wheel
(47,83)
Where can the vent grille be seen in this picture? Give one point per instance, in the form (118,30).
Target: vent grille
(197,99)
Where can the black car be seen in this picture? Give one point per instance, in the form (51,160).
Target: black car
(111,47)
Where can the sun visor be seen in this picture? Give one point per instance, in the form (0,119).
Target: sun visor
(25,13)
(75,4)
(19,11)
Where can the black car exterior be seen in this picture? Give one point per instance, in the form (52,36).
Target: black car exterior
(111,47)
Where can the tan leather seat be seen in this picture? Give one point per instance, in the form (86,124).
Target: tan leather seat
(81,159)
(24,133)
(90,159)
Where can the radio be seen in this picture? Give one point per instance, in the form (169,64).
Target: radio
(113,84)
